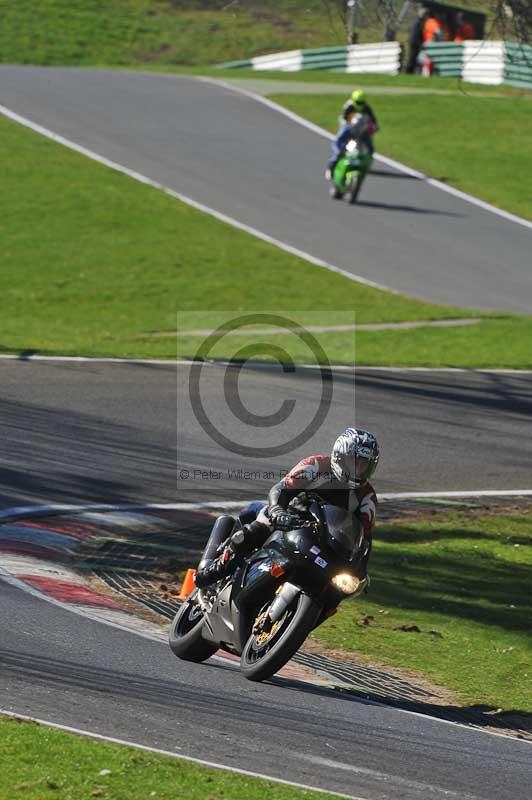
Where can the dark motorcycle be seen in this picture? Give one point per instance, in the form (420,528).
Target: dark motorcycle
(266,608)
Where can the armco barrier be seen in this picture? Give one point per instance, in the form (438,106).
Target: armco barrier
(382,57)
(447,57)
(483,62)
(474,61)
(291,61)
(518,65)
(325,58)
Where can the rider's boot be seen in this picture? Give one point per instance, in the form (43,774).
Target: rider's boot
(330,168)
(222,565)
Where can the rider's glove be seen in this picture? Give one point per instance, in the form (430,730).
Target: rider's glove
(284,520)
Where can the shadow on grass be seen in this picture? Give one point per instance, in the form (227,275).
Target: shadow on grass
(476,587)
(406,535)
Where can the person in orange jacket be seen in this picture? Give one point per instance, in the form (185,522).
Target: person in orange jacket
(432,29)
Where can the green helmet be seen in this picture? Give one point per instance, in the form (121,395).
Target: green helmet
(358,97)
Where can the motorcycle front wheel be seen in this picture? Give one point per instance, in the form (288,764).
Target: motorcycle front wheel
(356,189)
(266,652)
(185,636)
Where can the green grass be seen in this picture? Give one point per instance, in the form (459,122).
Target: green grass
(46,764)
(188,32)
(389,82)
(470,142)
(82,32)
(92,265)
(492,343)
(96,265)
(465,576)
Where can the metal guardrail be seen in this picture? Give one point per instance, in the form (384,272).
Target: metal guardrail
(518,66)
(381,57)
(481,61)
(448,58)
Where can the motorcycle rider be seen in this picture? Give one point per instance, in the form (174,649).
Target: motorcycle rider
(341,479)
(355,104)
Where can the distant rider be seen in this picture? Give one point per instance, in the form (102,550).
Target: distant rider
(355,104)
(341,479)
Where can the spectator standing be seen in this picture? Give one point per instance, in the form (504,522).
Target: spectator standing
(432,29)
(415,39)
(464,28)
(432,32)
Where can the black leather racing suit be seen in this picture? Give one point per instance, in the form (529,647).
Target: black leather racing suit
(314,475)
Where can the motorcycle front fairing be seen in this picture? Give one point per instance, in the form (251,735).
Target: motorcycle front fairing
(223,621)
(343,532)
(258,579)
(300,555)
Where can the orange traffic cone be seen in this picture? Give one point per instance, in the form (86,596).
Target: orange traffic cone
(188,585)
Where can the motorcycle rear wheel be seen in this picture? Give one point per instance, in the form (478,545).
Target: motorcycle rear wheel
(260,661)
(185,636)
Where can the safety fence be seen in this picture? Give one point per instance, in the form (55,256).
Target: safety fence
(483,62)
(518,65)
(382,57)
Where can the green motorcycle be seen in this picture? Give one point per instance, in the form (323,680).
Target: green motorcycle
(351,170)
(355,161)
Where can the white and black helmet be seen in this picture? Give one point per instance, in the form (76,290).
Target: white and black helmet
(355,456)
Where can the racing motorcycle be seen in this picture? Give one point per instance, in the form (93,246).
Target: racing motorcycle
(355,162)
(266,608)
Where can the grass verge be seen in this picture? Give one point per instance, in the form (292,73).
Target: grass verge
(470,142)
(45,763)
(82,32)
(96,266)
(463,580)
(390,83)
(490,344)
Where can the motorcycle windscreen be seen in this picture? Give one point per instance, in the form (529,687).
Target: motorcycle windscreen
(344,532)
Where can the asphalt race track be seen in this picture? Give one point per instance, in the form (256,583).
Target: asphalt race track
(93,432)
(81,673)
(118,433)
(239,157)
(100,432)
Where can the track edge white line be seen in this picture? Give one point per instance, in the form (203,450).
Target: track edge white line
(469,198)
(65,508)
(200,761)
(88,153)
(256,364)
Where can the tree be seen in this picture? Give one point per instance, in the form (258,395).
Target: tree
(514,20)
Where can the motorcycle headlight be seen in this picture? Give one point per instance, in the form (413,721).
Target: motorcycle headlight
(346,583)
